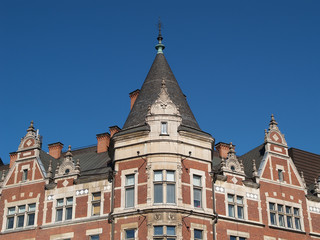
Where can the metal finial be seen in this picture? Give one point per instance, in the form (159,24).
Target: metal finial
(31,128)
(159,46)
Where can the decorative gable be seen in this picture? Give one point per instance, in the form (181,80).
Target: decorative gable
(67,166)
(232,164)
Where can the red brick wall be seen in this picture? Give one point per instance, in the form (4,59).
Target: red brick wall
(82,206)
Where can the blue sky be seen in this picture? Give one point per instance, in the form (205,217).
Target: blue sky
(69,66)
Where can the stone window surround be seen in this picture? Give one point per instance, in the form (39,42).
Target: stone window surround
(236,205)
(54,208)
(198,227)
(124,173)
(245,204)
(245,235)
(95,231)
(126,226)
(285,203)
(164,189)
(203,186)
(62,236)
(19,203)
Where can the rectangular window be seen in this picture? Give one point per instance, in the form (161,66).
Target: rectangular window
(24,175)
(235,206)
(197,191)
(280,175)
(94,237)
(130,234)
(64,209)
(23,215)
(237,238)
(96,203)
(197,234)
(164,128)
(284,216)
(164,183)
(129,190)
(164,232)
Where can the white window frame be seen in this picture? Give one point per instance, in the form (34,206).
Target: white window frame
(165,235)
(95,202)
(25,214)
(203,186)
(164,183)
(164,128)
(64,208)
(130,187)
(124,173)
(236,206)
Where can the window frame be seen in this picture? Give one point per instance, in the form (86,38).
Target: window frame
(236,206)
(95,202)
(126,236)
(24,176)
(165,183)
(290,215)
(197,188)
(24,214)
(129,187)
(64,209)
(165,234)
(164,128)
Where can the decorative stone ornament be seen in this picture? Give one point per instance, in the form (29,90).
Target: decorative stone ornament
(67,166)
(273,135)
(31,140)
(232,164)
(163,105)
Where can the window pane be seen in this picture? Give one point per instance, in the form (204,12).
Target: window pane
(130,180)
(273,218)
(94,237)
(20,221)
(32,207)
(240,212)
(296,211)
(170,176)
(197,197)
(197,180)
(158,230)
(231,210)
(171,231)
(271,206)
(96,196)
(280,208)
(158,193)
(289,222)
(10,222)
(233,238)
(31,219)
(288,210)
(281,220)
(130,234)
(25,175)
(297,223)
(59,215)
(239,200)
(129,197)
(171,196)
(241,238)
(280,175)
(96,208)
(60,202)
(230,198)
(11,210)
(68,213)
(197,234)
(22,209)
(158,175)
(69,200)
(164,127)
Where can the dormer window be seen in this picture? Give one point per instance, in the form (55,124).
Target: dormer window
(24,175)
(164,128)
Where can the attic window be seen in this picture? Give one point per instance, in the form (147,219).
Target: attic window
(280,175)
(232,168)
(67,171)
(164,128)
(25,175)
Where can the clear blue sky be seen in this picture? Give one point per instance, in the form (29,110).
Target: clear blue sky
(69,66)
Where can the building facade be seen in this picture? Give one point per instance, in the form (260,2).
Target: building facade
(159,177)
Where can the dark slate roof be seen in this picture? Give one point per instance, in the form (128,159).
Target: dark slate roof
(257,154)
(307,162)
(91,162)
(150,90)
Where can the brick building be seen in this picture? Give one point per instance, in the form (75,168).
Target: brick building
(160,177)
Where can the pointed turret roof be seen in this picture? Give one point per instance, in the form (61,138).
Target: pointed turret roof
(159,71)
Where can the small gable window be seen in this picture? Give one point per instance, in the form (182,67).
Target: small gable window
(164,128)
(25,175)
(280,175)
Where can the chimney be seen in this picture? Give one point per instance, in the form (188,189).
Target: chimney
(13,158)
(133,96)
(223,149)
(103,142)
(55,149)
(113,130)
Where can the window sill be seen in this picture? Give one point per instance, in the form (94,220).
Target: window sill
(287,229)
(18,229)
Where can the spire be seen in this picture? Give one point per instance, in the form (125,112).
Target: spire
(232,152)
(254,169)
(49,172)
(31,128)
(159,46)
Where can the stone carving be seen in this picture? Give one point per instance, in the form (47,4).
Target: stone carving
(31,140)
(157,216)
(171,216)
